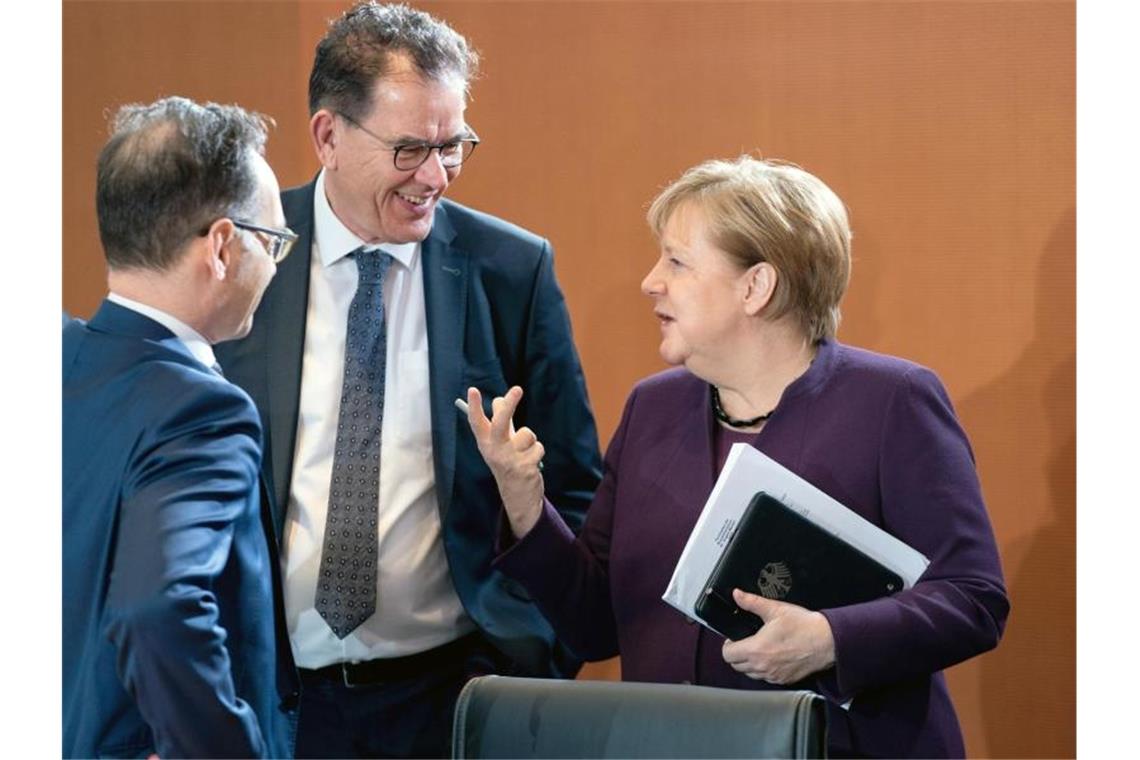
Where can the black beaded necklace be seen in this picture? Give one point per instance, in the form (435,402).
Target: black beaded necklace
(721,415)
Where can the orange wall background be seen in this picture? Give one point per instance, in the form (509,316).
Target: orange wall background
(947,127)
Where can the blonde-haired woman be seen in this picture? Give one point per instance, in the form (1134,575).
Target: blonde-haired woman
(755,258)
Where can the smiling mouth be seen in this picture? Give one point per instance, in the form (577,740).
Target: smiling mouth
(416,200)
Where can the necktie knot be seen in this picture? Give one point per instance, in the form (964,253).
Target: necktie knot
(372,265)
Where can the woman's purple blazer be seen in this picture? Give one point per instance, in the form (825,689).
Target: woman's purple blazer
(876,433)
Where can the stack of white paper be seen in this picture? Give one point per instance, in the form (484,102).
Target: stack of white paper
(747,471)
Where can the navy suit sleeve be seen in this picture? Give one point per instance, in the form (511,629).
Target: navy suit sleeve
(191,485)
(931,499)
(556,405)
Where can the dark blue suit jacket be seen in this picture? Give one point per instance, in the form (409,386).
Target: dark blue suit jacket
(495,318)
(173,632)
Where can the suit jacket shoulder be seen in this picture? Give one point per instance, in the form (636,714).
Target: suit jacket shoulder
(872,367)
(165,386)
(471,223)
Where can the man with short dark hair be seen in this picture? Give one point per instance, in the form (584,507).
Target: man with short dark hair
(395,302)
(173,628)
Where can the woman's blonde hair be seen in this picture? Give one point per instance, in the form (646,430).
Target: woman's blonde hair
(763,210)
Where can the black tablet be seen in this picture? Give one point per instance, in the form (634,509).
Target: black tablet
(778,553)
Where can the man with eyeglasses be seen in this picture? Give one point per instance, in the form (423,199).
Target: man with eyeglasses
(174,638)
(394,302)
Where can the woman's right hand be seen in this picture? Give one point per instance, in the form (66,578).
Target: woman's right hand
(514,456)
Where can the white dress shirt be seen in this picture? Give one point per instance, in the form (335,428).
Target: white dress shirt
(191,338)
(416,604)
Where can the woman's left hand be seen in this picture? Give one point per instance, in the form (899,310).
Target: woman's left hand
(513,456)
(793,644)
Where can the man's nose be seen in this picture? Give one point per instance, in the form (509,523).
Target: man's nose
(432,172)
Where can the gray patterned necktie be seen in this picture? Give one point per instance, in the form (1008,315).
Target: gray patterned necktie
(346,588)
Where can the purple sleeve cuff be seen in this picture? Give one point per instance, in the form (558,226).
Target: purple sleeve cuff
(526,557)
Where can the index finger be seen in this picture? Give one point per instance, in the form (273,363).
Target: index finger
(475,416)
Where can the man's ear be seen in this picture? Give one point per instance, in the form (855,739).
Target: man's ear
(218,254)
(760,281)
(325,136)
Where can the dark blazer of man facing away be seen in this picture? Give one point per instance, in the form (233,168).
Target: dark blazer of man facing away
(173,627)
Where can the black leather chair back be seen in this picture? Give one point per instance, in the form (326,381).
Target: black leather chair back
(502,717)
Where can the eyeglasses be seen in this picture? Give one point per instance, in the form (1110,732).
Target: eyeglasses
(278,243)
(412,155)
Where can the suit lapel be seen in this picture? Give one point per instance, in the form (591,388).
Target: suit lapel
(287,302)
(445,301)
(703,431)
(692,480)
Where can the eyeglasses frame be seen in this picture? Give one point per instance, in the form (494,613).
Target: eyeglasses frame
(283,240)
(471,138)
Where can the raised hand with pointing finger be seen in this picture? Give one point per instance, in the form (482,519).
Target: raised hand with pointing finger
(514,456)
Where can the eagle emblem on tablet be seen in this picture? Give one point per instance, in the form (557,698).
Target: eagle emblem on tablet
(775,580)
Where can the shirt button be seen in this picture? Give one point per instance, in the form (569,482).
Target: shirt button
(689,620)
(687,682)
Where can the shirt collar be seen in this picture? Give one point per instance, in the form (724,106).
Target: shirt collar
(334,241)
(197,345)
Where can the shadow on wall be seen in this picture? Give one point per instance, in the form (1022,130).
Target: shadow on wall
(1023,419)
